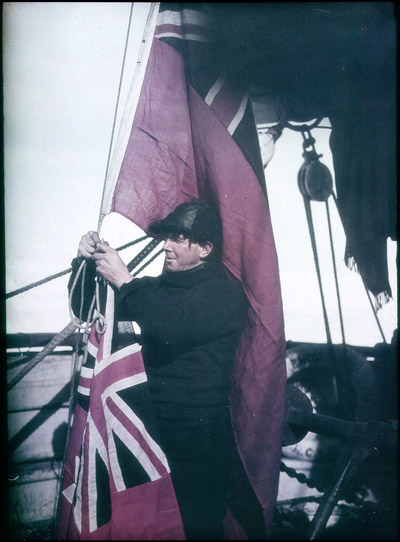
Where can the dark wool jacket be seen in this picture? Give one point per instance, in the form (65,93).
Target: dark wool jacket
(190,323)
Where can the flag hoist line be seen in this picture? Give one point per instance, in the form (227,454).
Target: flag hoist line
(115,162)
(110,180)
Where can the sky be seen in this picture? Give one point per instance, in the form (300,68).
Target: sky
(62,64)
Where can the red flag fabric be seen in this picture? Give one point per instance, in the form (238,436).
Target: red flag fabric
(194,135)
(117,483)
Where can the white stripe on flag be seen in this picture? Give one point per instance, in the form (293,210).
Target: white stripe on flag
(113,456)
(96,444)
(78,503)
(189,16)
(92,488)
(128,350)
(123,384)
(77,463)
(169,17)
(86,372)
(69,492)
(109,316)
(137,422)
(83,391)
(214,90)
(193,37)
(239,115)
(132,444)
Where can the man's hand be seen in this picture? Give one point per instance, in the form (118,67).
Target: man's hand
(110,266)
(88,245)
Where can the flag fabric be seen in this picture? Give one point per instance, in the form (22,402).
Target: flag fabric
(193,135)
(117,483)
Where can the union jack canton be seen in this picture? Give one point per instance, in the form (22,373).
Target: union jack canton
(117,482)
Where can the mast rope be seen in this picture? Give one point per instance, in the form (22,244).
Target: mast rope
(102,214)
(316,262)
(335,271)
(331,354)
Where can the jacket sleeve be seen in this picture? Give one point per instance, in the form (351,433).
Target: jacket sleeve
(86,280)
(201,314)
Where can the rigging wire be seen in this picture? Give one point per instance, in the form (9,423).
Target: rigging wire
(375,314)
(143,253)
(148,262)
(331,353)
(317,267)
(65,272)
(101,214)
(335,271)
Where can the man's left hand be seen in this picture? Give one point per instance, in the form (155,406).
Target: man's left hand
(110,266)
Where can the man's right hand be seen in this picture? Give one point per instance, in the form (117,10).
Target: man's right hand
(88,245)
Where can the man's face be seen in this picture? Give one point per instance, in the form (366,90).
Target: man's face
(182,254)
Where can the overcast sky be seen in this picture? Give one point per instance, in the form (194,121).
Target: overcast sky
(62,64)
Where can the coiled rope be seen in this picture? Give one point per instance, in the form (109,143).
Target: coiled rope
(91,319)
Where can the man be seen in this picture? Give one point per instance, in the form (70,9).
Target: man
(191,318)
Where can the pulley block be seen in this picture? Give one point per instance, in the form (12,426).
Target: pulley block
(314,178)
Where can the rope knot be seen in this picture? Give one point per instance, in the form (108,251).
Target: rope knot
(101,324)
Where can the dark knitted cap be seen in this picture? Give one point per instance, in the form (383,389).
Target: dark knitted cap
(197,220)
